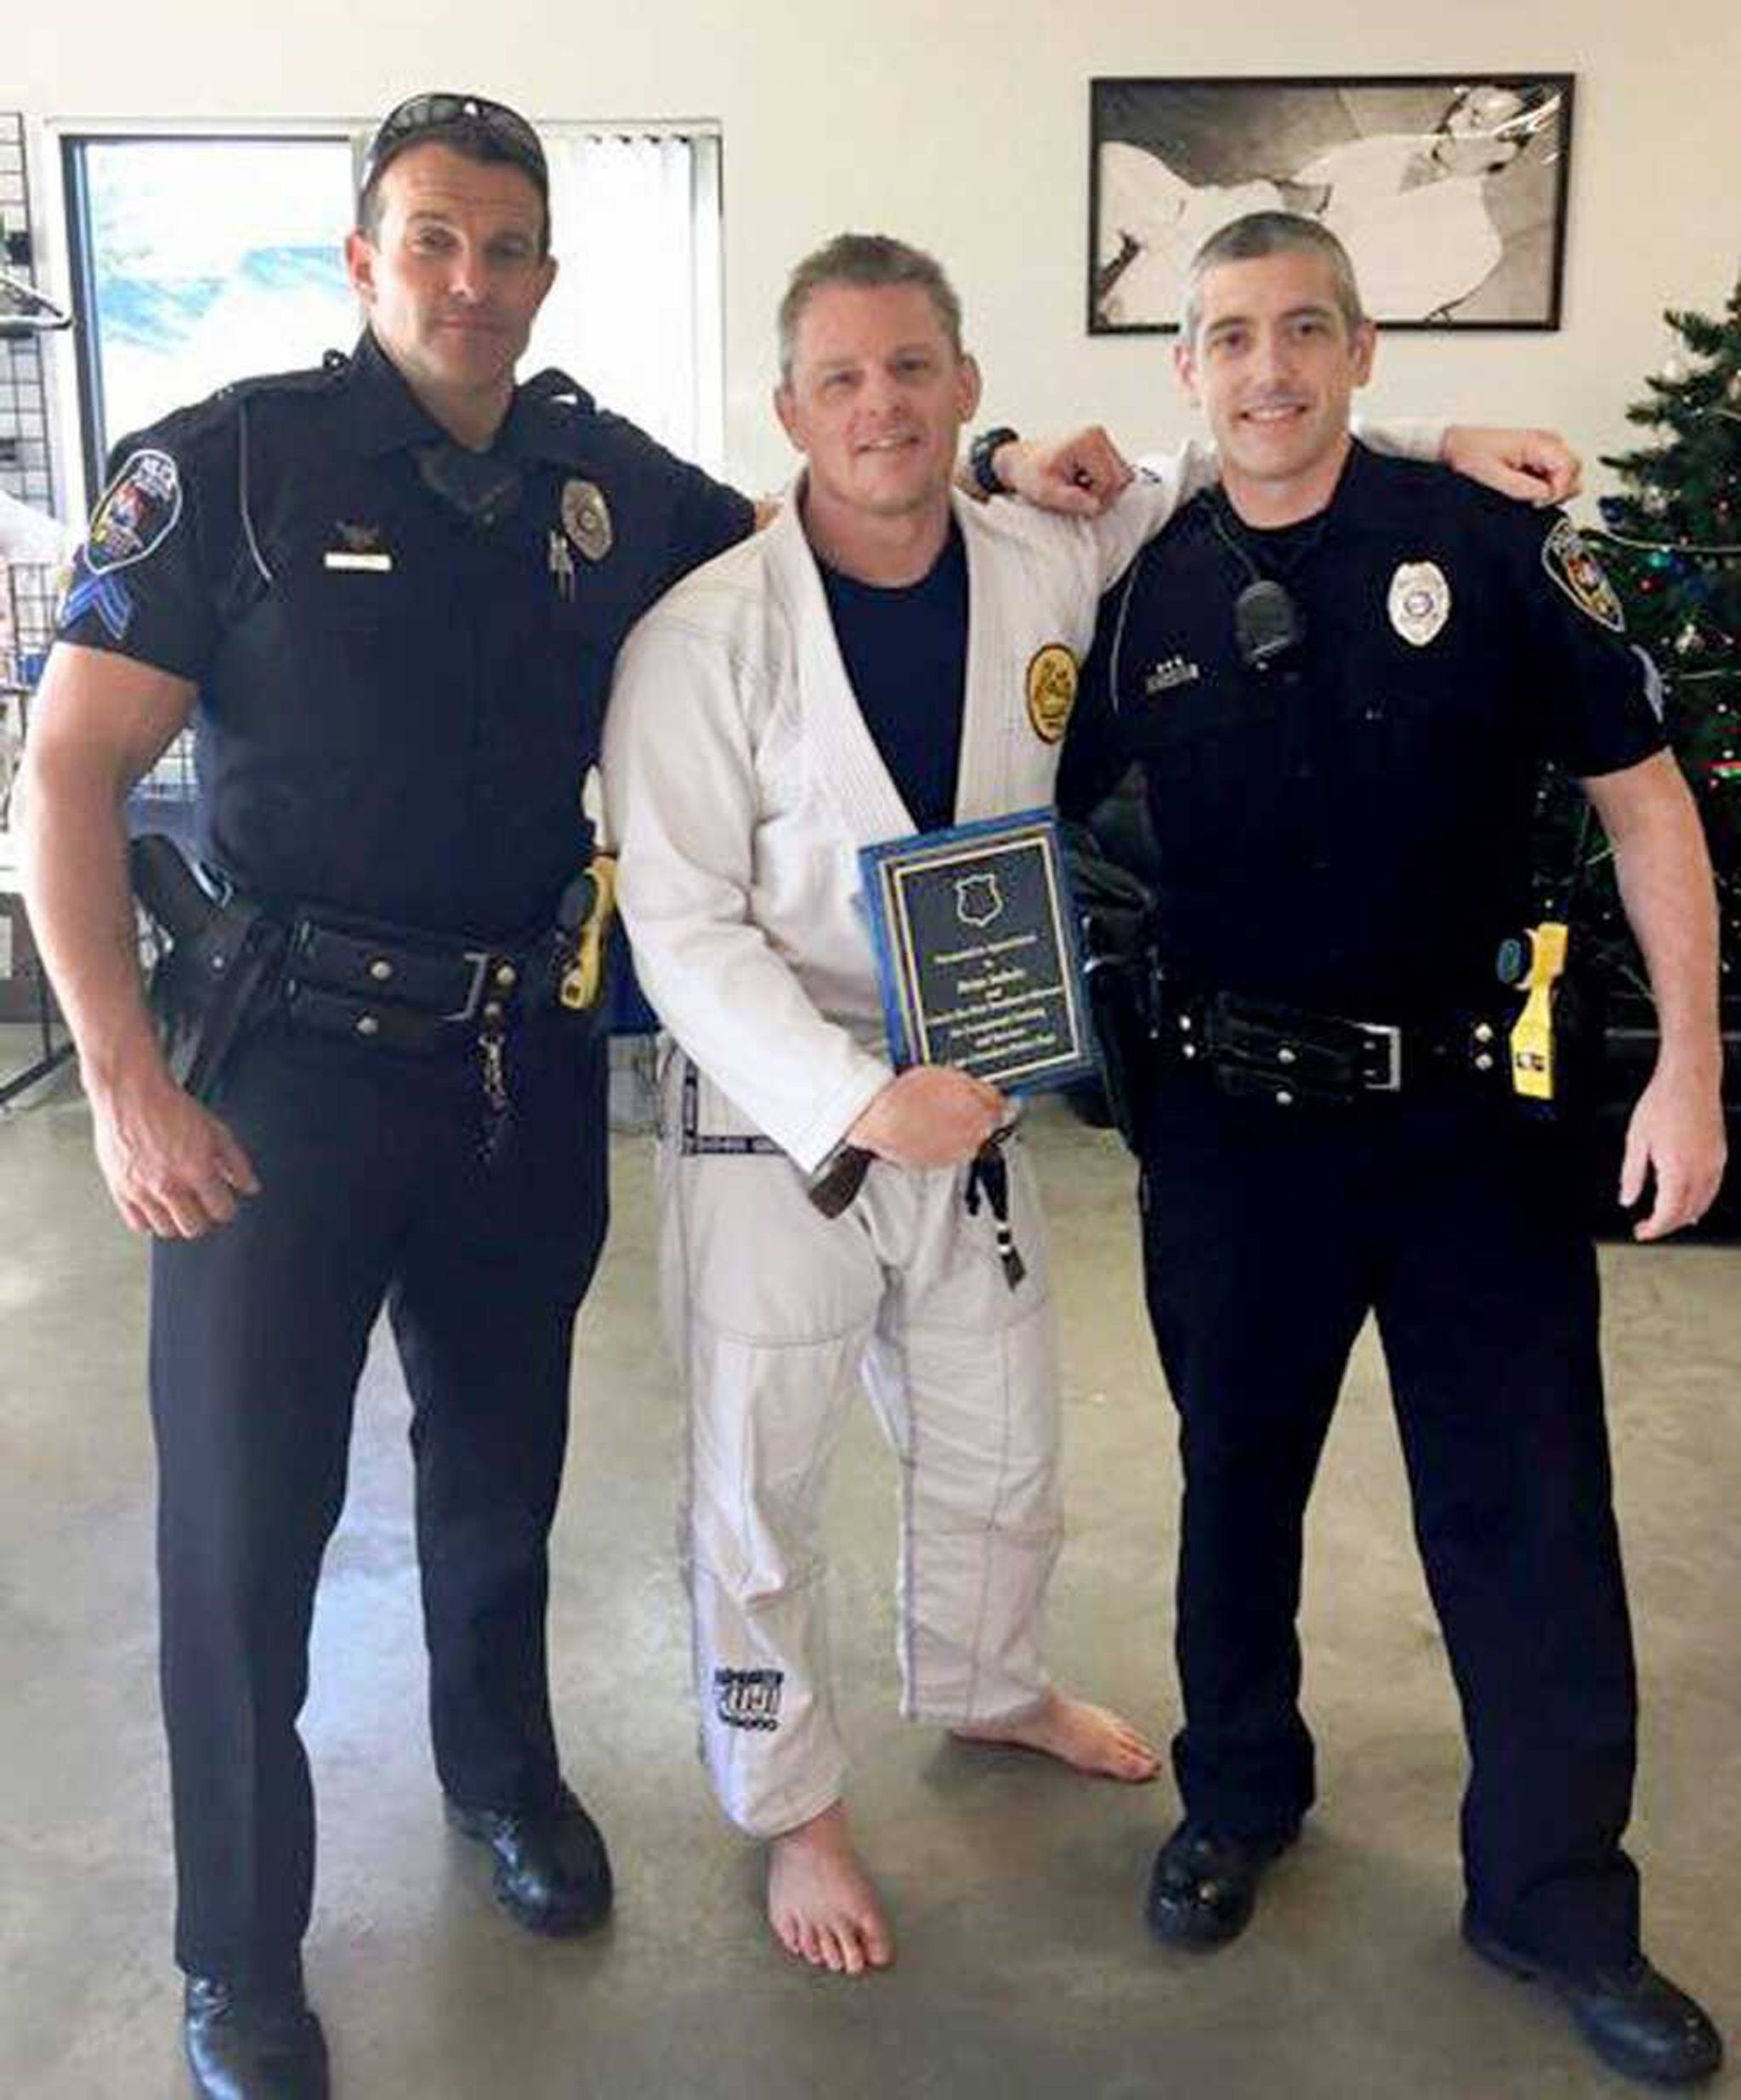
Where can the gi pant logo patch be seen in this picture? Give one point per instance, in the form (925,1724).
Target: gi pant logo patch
(1579,575)
(1419,601)
(139,512)
(748,1699)
(1052,691)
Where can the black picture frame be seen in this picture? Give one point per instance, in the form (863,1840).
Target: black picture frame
(1405,167)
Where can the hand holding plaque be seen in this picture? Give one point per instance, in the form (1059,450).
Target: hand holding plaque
(976,950)
(930,1115)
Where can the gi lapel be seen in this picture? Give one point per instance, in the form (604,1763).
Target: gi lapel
(982,784)
(847,763)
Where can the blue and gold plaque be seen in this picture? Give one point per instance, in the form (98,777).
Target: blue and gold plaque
(977,950)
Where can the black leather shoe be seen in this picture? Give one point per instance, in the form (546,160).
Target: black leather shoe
(245,2042)
(552,1873)
(1637,2021)
(1204,1887)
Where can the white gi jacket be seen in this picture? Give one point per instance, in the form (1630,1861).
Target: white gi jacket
(740,781)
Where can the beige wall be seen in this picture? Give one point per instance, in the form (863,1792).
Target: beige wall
(963,126)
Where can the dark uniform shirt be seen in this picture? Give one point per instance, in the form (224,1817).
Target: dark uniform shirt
(397,704)
(1349,829)
(905,651)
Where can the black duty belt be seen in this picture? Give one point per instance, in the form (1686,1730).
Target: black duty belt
(1260,1050)
(227,960)
(398,988)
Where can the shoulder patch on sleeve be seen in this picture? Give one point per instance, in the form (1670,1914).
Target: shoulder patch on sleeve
(141,509)
(1580,576)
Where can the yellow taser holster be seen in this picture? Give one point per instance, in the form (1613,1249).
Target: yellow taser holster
(583,979)
(1532,1074)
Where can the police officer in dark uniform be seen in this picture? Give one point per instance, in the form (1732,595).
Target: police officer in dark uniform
(1339,675)
(388,594)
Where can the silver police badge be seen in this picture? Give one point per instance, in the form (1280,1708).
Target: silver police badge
(1419,601)
(586,519)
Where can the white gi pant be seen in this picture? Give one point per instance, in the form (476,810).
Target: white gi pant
(775,1312)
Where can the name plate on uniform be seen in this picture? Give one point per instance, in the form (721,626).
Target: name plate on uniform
(977,950)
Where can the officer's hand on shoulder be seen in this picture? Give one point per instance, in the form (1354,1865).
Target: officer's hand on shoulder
(174,1169)
(1080,475)
(1533,466)
(931,1115)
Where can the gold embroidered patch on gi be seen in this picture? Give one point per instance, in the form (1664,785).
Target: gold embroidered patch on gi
(1579,575)
(586,519)
(1052,691)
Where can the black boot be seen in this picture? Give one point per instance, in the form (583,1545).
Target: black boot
(552,1873)
(253,2041)
(1637,2021)
(1204,1887)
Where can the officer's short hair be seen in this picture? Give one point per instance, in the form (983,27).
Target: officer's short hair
(870,260)
(1258,233)
(476,129)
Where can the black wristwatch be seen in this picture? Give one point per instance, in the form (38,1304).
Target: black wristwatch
(980,454)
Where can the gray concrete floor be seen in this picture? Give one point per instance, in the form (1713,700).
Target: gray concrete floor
(1024,1971)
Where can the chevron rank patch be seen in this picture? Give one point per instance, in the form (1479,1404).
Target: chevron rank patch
(107,596)
(1579,575)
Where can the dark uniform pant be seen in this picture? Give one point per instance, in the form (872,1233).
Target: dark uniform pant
(1268,1235)
(374,1191)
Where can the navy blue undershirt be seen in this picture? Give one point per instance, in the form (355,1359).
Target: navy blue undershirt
(905,651)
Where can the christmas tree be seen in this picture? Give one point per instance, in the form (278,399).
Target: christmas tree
(1671,545)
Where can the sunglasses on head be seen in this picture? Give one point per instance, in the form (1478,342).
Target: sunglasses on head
(427,115)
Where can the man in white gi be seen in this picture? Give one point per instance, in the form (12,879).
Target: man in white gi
(874,664)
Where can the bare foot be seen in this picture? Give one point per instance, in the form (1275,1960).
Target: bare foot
(820,1902)
(1087,1738)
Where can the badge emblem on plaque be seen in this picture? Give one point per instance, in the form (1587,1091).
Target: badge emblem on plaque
(978,901)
